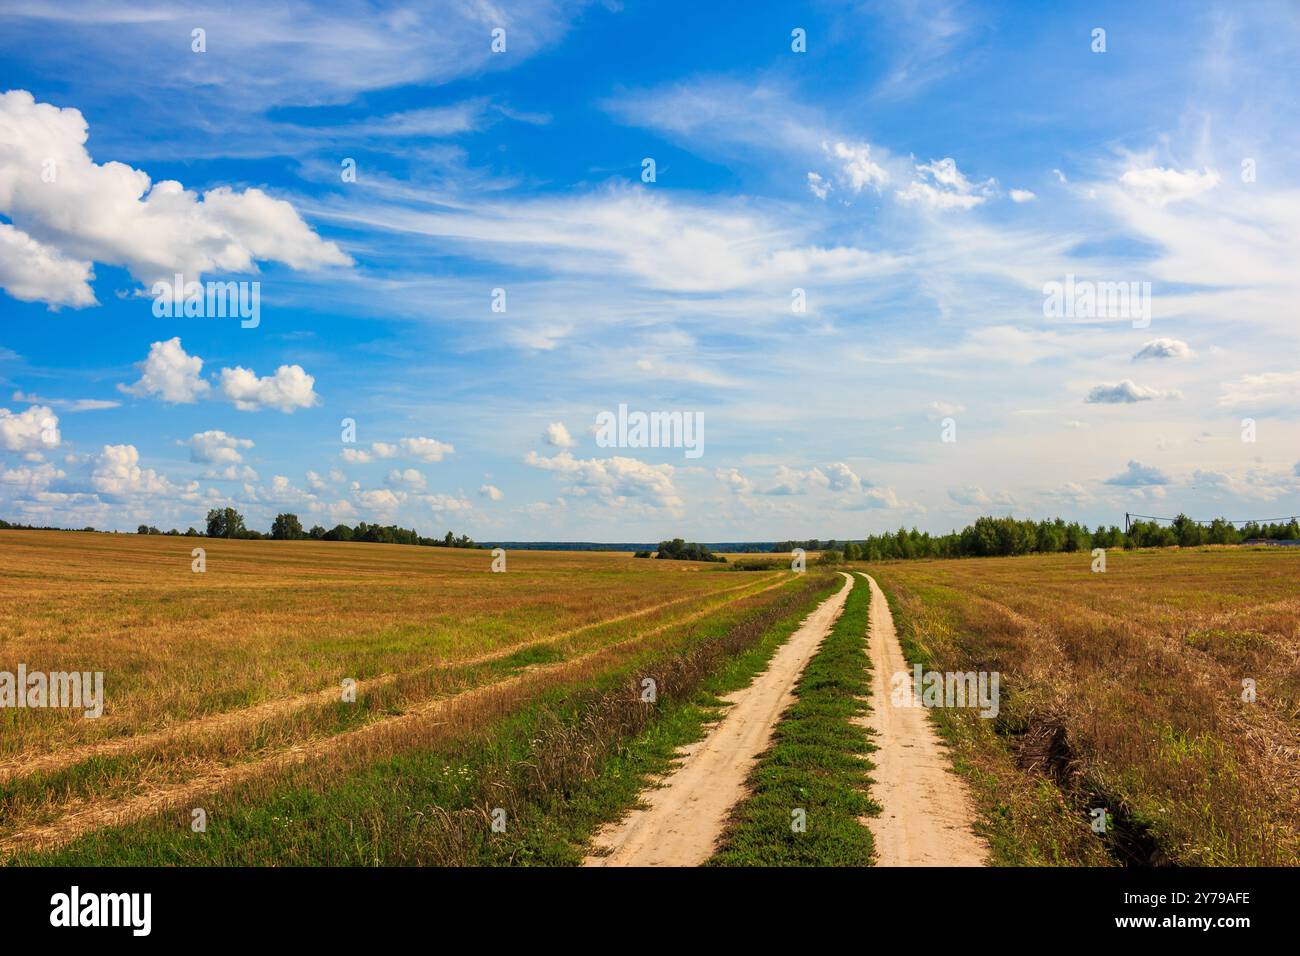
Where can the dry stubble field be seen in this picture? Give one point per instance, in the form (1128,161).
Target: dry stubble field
(234,675)
(1122,690)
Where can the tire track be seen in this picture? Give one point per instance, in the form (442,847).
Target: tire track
(682,819)
(926,813)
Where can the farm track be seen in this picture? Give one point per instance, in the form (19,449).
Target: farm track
(926,813)
(682,819)
(84,816)
(214,724)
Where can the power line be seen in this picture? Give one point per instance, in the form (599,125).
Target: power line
(1287,520)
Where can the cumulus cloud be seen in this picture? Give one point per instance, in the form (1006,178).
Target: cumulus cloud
(857,169)
(970,496)
(612,479)
(558,436)
(1138,475)
(734,480)
(1125,393)
(114,214)
(379,500)
(288,389)
(36,429)
(492,492)
(443,504)
(170,374)
(941,185)
(356,456)
(31,271)
(217,447)
(792,481)
(1022,195)
(1160,186)
(31,479)
(407,478)
(426,449)
(842,478)
(117,472)
(1163,349)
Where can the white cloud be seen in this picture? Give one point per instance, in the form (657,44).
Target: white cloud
(407,478)
(426,449)
(32,479)
(1137,475)
(941,185)
(612,479)
(734,480)
(936,411)
(1126,392)
(117,472)
(970,496)
(217,447)
(35,429)
(657,240)
(288,389)
(818,186)
(69,405)
(31,271)
(492,492)
(446,504)
(170,374)
(1163,349)
(113,214)
(842,478)
(558,436)
(1022,195)
(380,500)
(1160,186)
(792,481)
(355,456)
(1267,389)
(857,169)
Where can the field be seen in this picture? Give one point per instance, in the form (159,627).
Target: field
(233,676)
(1122,691)
(521,695)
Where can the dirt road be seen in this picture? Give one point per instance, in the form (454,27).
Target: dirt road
(927,815)
(683,819)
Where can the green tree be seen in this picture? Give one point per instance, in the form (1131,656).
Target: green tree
(286,527)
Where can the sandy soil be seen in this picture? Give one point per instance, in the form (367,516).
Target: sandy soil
(682,819)
(927,813)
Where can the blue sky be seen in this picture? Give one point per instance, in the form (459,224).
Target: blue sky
(921,172)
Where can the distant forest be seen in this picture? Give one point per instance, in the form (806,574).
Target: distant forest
(986,537)
(1008,536)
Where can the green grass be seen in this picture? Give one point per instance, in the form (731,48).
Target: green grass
(816,764)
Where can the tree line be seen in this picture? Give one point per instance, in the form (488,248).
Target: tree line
(229,523)
(679,550)
(1009,536)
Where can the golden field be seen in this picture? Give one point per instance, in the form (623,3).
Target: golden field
(1123,690)
(240,668)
